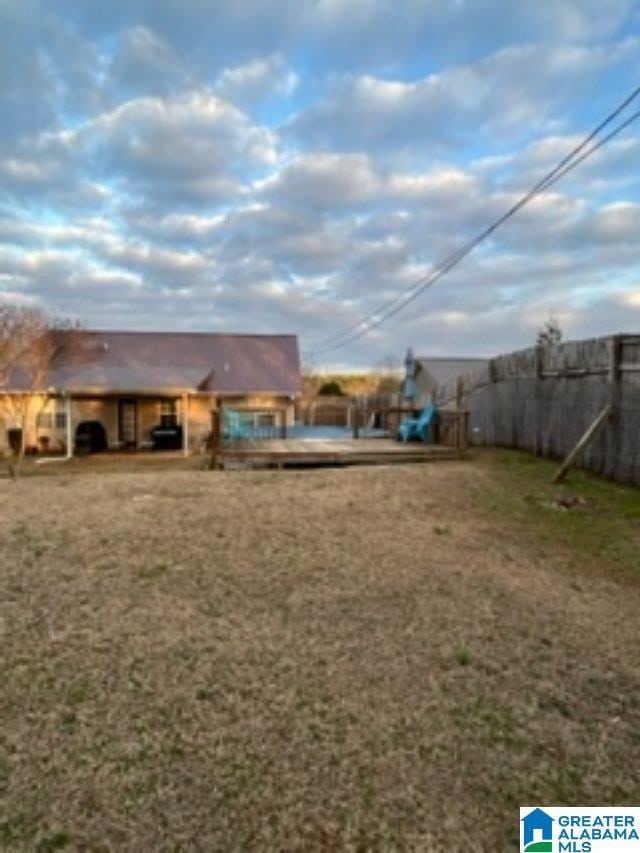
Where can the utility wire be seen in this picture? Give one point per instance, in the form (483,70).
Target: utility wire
(566,164)
(408,297)
(464,250)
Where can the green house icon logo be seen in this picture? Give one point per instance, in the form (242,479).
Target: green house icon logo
(537,832)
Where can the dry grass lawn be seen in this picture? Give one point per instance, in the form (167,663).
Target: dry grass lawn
(363,659)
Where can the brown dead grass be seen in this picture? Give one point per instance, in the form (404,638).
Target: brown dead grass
(360,659)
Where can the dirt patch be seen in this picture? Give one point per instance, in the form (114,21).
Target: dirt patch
(361,659)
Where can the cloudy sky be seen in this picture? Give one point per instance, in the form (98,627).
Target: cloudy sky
(288,165)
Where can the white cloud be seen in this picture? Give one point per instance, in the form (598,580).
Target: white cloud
(498,95)
(261,78)
(178,149)
(150,177)
(143,63)
(332,182)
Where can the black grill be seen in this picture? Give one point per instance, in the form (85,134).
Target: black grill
(166,437)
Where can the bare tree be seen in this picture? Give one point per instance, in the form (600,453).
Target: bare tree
(32,345)
(389,375)
(308,374)
(550,333)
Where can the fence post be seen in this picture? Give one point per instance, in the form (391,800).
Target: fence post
(356,418)
(463,421)
(538,401)
(615,376)
(615,345)
(459,401)
(615,358)
(539,356)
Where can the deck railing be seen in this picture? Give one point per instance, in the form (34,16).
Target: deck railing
(252,423)
(450,429)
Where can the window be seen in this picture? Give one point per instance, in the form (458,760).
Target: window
(168,413)
(263,424)
(61,420)
(44,420)
(265,420)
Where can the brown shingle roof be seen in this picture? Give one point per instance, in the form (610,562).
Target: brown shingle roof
(188,361)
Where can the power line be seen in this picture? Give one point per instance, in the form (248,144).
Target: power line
(566,164)
(435,273)
(408,297)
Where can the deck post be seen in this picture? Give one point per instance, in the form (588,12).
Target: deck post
(215,437)
(185,424)
(69,426)
(356,418)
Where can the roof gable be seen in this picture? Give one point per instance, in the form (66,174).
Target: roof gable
(441,370)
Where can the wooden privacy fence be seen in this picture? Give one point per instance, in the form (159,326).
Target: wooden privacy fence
(544,399)
(452,429)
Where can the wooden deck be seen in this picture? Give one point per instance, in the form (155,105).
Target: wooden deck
(363,451)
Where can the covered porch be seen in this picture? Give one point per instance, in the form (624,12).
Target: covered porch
(88,422)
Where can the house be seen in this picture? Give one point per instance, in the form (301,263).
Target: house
(128,383)
(425,374)
(537,828)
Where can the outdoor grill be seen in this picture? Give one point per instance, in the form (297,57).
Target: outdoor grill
(166,437)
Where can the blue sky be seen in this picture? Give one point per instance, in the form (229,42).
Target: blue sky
(287,166)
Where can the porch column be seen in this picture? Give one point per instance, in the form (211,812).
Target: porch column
(69,426)
(185,424)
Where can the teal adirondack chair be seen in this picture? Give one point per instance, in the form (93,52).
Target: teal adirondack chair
(417,429)
(235,427)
